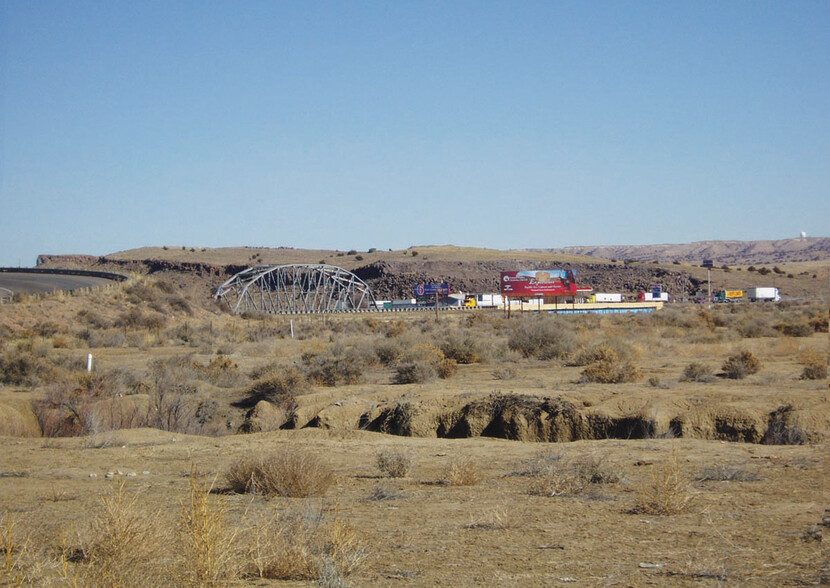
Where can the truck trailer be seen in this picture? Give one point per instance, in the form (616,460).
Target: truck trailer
(650,297)
(605,297)
(729,295)
(767,294)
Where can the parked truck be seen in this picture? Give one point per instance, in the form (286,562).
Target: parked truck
(729,295)
(605,297)
(767,294)
(650,297)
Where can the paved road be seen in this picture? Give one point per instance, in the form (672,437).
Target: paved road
(23,282)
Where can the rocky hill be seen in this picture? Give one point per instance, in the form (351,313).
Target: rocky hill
(722,252)
(394,274)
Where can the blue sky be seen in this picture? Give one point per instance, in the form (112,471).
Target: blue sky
(389,124)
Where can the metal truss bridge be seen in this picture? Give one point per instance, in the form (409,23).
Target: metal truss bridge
(295,289)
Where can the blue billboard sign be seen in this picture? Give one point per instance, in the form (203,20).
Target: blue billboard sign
(432,289)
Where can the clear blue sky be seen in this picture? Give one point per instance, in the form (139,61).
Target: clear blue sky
(389,124)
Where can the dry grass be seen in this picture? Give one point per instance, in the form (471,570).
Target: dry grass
(557,476)
(462,471)
(667,492)
(815,365)
(395,463)
(126,543)
(293,473)
(206,543)
(303,544)
(740,365)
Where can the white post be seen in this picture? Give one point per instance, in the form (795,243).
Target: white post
(291,322)
(89,362)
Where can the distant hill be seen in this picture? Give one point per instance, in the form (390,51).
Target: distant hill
(722,252)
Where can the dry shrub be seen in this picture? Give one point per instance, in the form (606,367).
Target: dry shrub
(554,476)
(447,368)
(11,546)
(220,371)
(278,383)
(558,482)
(800,329)
(726,473)
(22,367)
(388,352)
(543,338)
(305,545)
(697,372)
(291,473)
(333,370)
(494,520)
(505,373)
(414,373)
(126,544)
(395,463)
(611,371)
(740,365)
(462,471)
(610,350)
(784,428)
(815,365)
(820,323)
(462,348)
(206,543)
(667,492)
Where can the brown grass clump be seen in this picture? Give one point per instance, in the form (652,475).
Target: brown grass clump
(279,382)
(206,544)
(11,547)
(291,473)
(126,545)
(815,366)
(462,471)
(543,338)
(553,476)
(611,370)
(462,349)
(667,492)
(740,365)
(447,368)
(395,463)
(697,372)
(304,545)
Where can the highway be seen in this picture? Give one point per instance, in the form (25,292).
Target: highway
(41,282)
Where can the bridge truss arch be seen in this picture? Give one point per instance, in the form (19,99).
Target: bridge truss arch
(295,289)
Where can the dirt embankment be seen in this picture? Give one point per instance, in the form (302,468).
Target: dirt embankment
(392,280)
(554,419)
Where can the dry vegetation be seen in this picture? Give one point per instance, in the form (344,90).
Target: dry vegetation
(686,446)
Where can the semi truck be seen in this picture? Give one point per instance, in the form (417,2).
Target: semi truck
(483,300)
(763,295)
(729,295)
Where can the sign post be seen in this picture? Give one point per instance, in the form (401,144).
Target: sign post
(708,264)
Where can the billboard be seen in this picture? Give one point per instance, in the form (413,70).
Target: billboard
(539,283)
(432,289)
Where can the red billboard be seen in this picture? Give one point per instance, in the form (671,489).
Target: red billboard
(539,283)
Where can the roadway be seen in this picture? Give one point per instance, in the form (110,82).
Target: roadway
(41,282)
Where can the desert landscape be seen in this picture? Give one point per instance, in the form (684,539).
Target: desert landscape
(684,447)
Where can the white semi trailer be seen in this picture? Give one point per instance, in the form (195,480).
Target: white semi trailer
(763,295)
